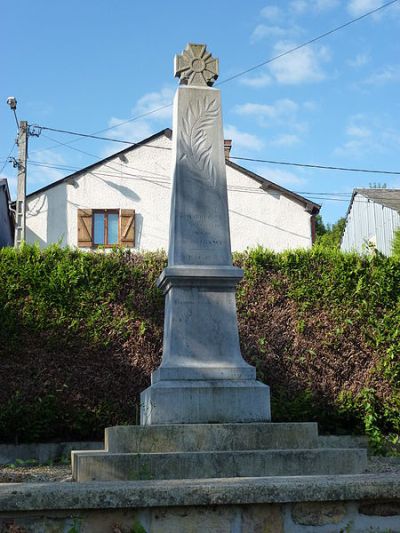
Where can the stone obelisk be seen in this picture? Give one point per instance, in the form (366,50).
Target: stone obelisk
(202,377)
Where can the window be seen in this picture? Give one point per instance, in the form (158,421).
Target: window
(106,227)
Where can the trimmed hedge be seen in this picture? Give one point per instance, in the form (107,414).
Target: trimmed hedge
(81,333)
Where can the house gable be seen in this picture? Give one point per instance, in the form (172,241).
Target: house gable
(138,178)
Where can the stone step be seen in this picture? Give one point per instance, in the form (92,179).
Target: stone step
(105,466)
(210,437)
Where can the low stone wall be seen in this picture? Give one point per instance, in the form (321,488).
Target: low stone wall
(43,452)
(318,504)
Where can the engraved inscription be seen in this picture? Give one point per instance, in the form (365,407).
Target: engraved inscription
(196,146)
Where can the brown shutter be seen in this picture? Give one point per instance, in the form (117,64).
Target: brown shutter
(85,225)
(127,229)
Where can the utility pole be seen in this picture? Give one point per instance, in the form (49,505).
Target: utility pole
(20,206)
(24,131)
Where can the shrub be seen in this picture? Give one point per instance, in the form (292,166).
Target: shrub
(81,333)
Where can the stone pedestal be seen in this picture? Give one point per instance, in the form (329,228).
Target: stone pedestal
(203,377)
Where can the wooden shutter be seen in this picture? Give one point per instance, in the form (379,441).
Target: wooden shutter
(85,228)
(127,227)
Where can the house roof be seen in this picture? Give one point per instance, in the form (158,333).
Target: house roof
(387,197)
(310,206)
(167,132)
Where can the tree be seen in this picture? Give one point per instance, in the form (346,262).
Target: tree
(396,244)
(329,235)
(320,228)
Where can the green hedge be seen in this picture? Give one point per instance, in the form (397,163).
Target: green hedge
(81,333)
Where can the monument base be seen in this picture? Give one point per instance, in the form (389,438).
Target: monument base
(203,402)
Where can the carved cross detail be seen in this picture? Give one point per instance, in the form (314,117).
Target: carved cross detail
(195,66)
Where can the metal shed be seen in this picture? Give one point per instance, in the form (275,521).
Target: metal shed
(371,220)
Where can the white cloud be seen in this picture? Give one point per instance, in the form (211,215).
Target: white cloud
(281,177)
(358,61)
(280,109)
(156,100)
(286,139)
(302,66)
(262,31)
(242,139)
(358,131)
(298,6)
(271,13)
(301,6)
(262,80)
(130,131)
(366,135)
(324,5)
(359,7)
(310,105)
(139,129)
(387,74)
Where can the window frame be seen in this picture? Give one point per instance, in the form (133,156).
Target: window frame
(105,213)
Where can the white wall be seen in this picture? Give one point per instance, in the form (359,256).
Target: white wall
(369,222)
(141,181)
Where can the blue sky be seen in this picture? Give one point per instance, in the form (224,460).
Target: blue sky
(86,66)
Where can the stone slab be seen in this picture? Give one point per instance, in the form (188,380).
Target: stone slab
(194,276)
(205,437)
(203,402)
(105,466)
(198,492)
(42,452)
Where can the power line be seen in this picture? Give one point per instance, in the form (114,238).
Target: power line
(291,50)
(9,155)
(267,161)
(287,163)
(90,136)
(226,80)
(323,167)
(325,196)
(137,117)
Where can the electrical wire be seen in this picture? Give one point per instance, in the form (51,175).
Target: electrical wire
(226,80)
(286,163)
(90,136)
(324,196)
(323,167)
(9,155)
(93,135)
(311,41)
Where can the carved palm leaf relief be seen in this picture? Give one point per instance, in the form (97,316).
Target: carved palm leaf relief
(195,142)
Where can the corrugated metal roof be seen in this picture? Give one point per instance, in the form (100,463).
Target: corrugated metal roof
(386,197)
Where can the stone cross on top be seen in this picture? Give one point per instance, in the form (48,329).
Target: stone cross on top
(195,66)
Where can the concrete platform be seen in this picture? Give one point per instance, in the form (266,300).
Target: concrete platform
(105,466)
(317,504)
(216,437)
(198,451)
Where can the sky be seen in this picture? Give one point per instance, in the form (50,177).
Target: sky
(87,66)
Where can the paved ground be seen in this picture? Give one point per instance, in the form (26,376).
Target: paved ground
(30,474)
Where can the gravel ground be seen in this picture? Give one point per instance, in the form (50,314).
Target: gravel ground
(34,474)
(41,473)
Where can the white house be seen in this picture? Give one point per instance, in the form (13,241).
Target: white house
(372,218)
(125,199)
